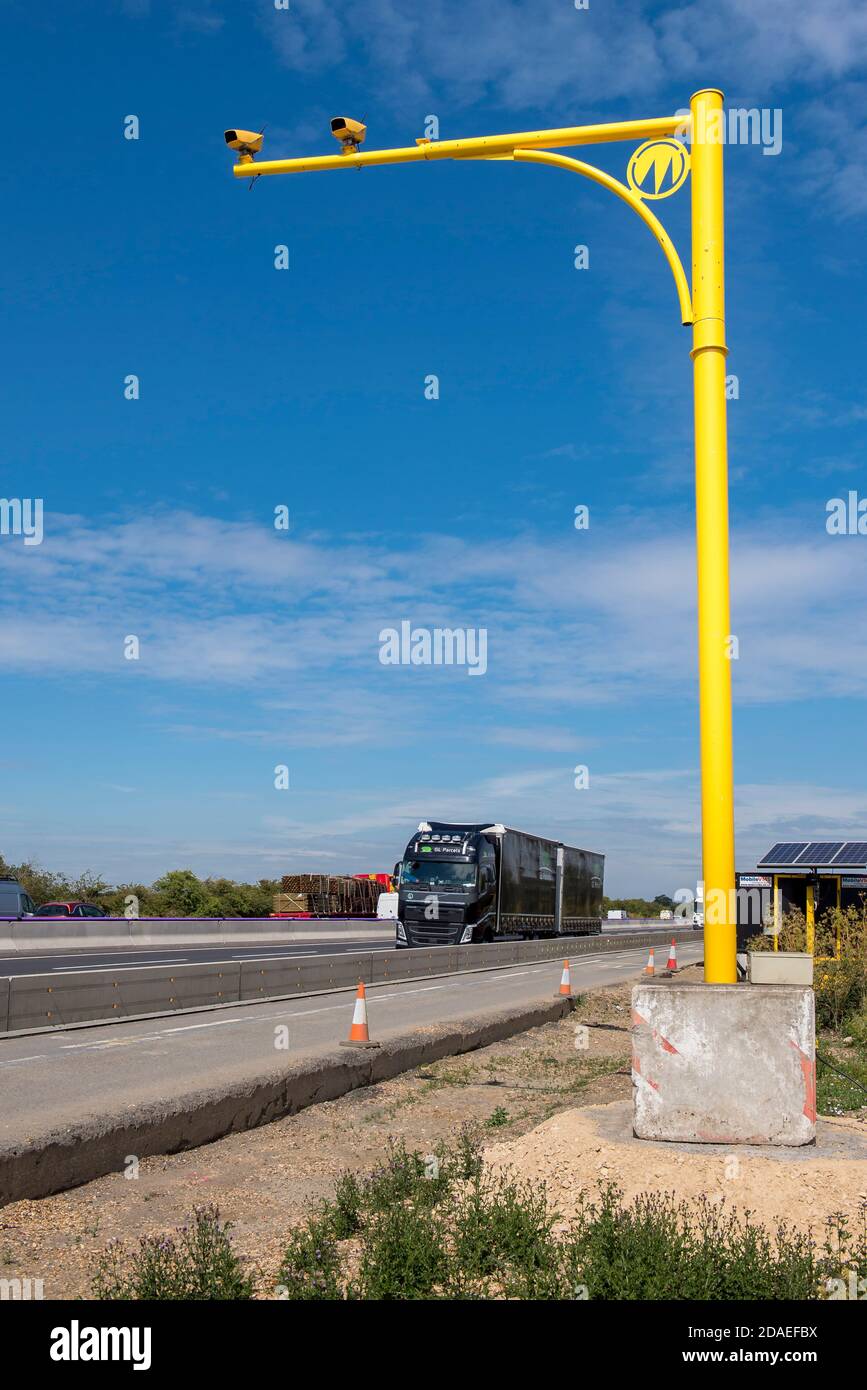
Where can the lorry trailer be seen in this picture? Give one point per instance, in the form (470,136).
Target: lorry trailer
(474,883)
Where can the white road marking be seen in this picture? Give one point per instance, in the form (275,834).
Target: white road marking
(404,993)
(104,1043)
(191,1027)
(73,969)
(283,956)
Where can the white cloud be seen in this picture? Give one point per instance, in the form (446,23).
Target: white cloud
(448,55)
(568,622)
(542,53)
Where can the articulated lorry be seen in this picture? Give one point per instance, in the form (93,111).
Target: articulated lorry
(473,883)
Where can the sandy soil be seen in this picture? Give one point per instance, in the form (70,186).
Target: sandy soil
(580,1148)
(528,1096)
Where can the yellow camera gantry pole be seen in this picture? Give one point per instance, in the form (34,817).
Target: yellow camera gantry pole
(705,310)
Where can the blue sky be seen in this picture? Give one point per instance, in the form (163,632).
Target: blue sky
(305,388)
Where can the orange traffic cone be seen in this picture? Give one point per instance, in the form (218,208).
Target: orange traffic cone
(358,1034)
(672,956)
(648,969)
(565,991)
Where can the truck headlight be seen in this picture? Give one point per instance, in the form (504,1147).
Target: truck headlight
(467,936)
(401,934)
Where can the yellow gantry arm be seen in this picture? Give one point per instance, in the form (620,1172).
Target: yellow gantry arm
(599,176)
(475,147)
(527,146)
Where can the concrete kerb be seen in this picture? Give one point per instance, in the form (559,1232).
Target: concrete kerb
(372,967)
(65,1158)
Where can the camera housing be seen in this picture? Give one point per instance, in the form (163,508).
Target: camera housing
(246,142)
(349,133)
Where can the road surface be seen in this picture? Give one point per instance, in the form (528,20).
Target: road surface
(319,939)
(50,1080)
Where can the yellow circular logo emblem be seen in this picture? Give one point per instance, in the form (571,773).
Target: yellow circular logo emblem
(658,168)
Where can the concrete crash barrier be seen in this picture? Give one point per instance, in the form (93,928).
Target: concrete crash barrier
(142,933)
(73,1154)
(393,966)
(80,934)
(283,977)
(4,1004)
(86,996)
(68,934)
(100,995)
(724,1064)
(145,932)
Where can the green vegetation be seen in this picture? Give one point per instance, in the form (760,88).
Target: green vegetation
(179,893)
(498,1117)
(840,987)
(841,1082)
(642,907)
(197,1263)
(441,1226)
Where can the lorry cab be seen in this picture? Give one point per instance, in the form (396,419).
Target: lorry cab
(447,884)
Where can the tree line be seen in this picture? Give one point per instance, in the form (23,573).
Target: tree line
(178,893)
(181,893)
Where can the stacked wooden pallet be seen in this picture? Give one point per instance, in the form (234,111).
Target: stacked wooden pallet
(327,895)
(290,903)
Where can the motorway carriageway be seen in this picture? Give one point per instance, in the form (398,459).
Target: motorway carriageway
(131,958)
(49,1080)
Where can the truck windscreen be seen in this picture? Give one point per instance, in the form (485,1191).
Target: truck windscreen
(433,872)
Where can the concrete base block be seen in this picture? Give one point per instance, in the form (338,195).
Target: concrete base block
(724,1064)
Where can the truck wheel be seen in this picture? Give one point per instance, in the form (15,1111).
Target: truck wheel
(488,936)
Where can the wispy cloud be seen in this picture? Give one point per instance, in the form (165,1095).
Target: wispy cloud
(600,617)
(523,53)
(645,821)
(449,55)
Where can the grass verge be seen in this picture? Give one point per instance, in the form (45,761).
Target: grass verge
(443,1226)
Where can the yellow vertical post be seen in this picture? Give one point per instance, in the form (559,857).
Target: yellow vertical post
(811,918)
(776,916)
(712,538)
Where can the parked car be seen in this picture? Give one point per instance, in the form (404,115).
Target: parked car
(15,901)
(73,909)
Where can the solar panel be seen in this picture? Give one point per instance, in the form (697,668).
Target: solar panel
(820,852)
(786,852)
(815,854)
(853,852)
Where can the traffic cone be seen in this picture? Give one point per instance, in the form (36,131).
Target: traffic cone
(672,956)
(648,969)
(358,1034)
(565,991)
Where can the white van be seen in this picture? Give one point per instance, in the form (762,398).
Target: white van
(14,901)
